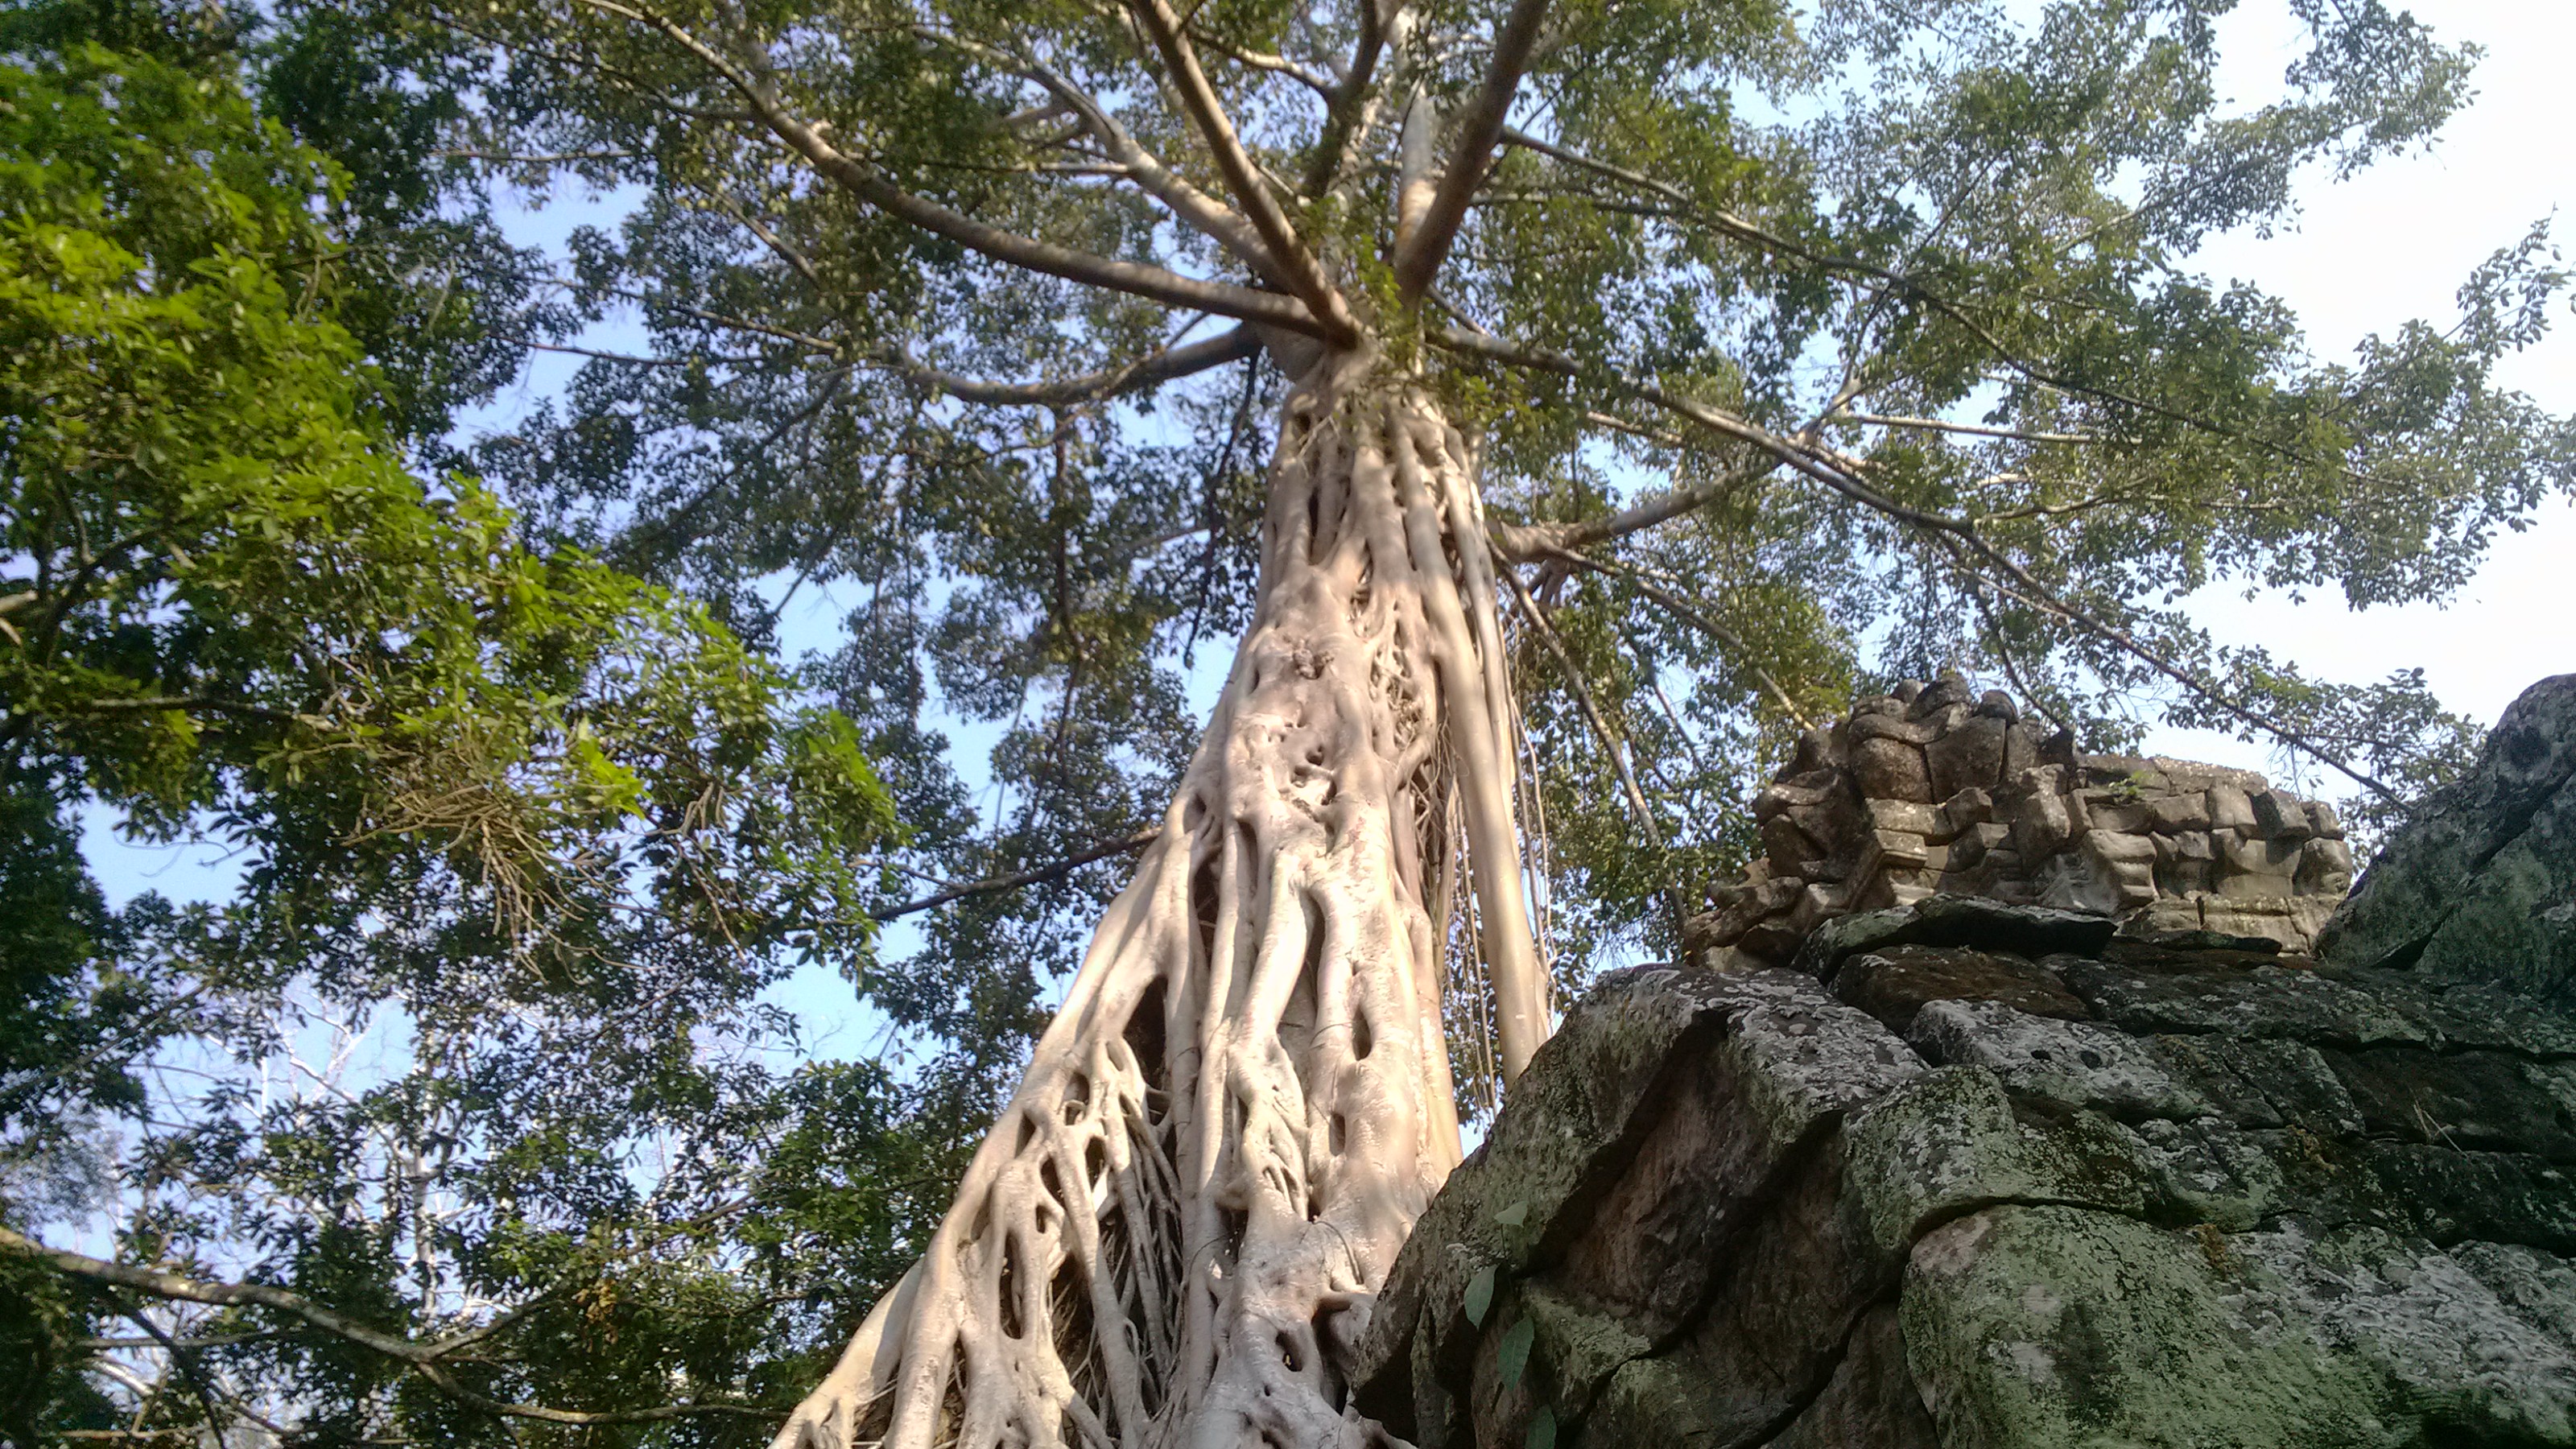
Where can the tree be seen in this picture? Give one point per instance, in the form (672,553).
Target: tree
(535,827)
(1887,292)
(1886,298)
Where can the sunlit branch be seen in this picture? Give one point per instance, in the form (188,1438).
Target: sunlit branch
(1692,615)
(864,180)
(1938,425)
(1479,127)
(1341,114)
(1035,875)
(1261,60)
(1159,367)
(1204,213)
(1304,274)
(1611,744)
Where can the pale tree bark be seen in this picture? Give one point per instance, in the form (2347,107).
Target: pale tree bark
(1176,1230)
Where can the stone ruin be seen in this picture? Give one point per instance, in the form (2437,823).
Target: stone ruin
(1972,1170)
(1937,789)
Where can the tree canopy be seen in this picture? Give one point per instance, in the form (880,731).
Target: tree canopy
(1805,347)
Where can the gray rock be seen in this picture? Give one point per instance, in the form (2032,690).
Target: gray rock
(2048,1327)
(2481,885)
(2455,1354)
(2074,1062)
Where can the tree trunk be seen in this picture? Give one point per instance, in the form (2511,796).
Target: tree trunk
(1180,1223)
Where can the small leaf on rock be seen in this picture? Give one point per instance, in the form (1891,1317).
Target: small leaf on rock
(1513,1355)
(1480,1295)
(1515,1215)
(1542,1433)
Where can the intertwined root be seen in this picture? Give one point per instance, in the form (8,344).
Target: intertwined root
(1176,1231)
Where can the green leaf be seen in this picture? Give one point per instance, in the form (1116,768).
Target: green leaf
(1515,1215)
(1513,1355)
(1480,1295)
(1542,1429)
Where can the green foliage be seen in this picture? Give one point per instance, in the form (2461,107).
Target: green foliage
(529,832)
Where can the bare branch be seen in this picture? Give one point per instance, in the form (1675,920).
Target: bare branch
(1163,366)
(1305,275)
(1479,128)
(864,180)
(1034,876)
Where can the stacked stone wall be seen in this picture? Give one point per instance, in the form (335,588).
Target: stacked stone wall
(1937,789)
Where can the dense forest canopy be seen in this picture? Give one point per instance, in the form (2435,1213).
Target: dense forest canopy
(1789,349)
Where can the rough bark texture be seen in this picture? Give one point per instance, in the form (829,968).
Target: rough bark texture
(1980,1173)
(1180,1224)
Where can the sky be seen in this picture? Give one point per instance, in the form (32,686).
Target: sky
(2365,256)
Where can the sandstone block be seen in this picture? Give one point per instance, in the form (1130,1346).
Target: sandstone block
(2279,817)
(2052,1326)
(1894,983)
(1941,694)
(1871,1399)
(1970,755)
(1888,769)
(1906,815)
(2322,818)
(2176,814)
(2230,808)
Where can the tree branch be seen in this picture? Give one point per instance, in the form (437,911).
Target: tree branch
(1305,275)
(422,1357)
(866,182)
(1839,474)
(1478,130)
(1610,743)
(1342,110)
(1159,367)
(1017,879)
(1692,615)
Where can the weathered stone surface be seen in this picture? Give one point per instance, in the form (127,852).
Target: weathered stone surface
(1890,769)
(1951,1141)
(2454,1353)
(2482,884)
(1893,983)
(2141,987)
(2074,1062)
(2263,1082)
(1969,756)
(2539,1287)
(1789,1068)
(1766,1343)
(2050,1326)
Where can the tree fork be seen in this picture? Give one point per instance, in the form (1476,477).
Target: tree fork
(1176,1230)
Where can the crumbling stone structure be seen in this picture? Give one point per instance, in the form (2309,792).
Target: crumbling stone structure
(1974,1172)
(1937,789)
